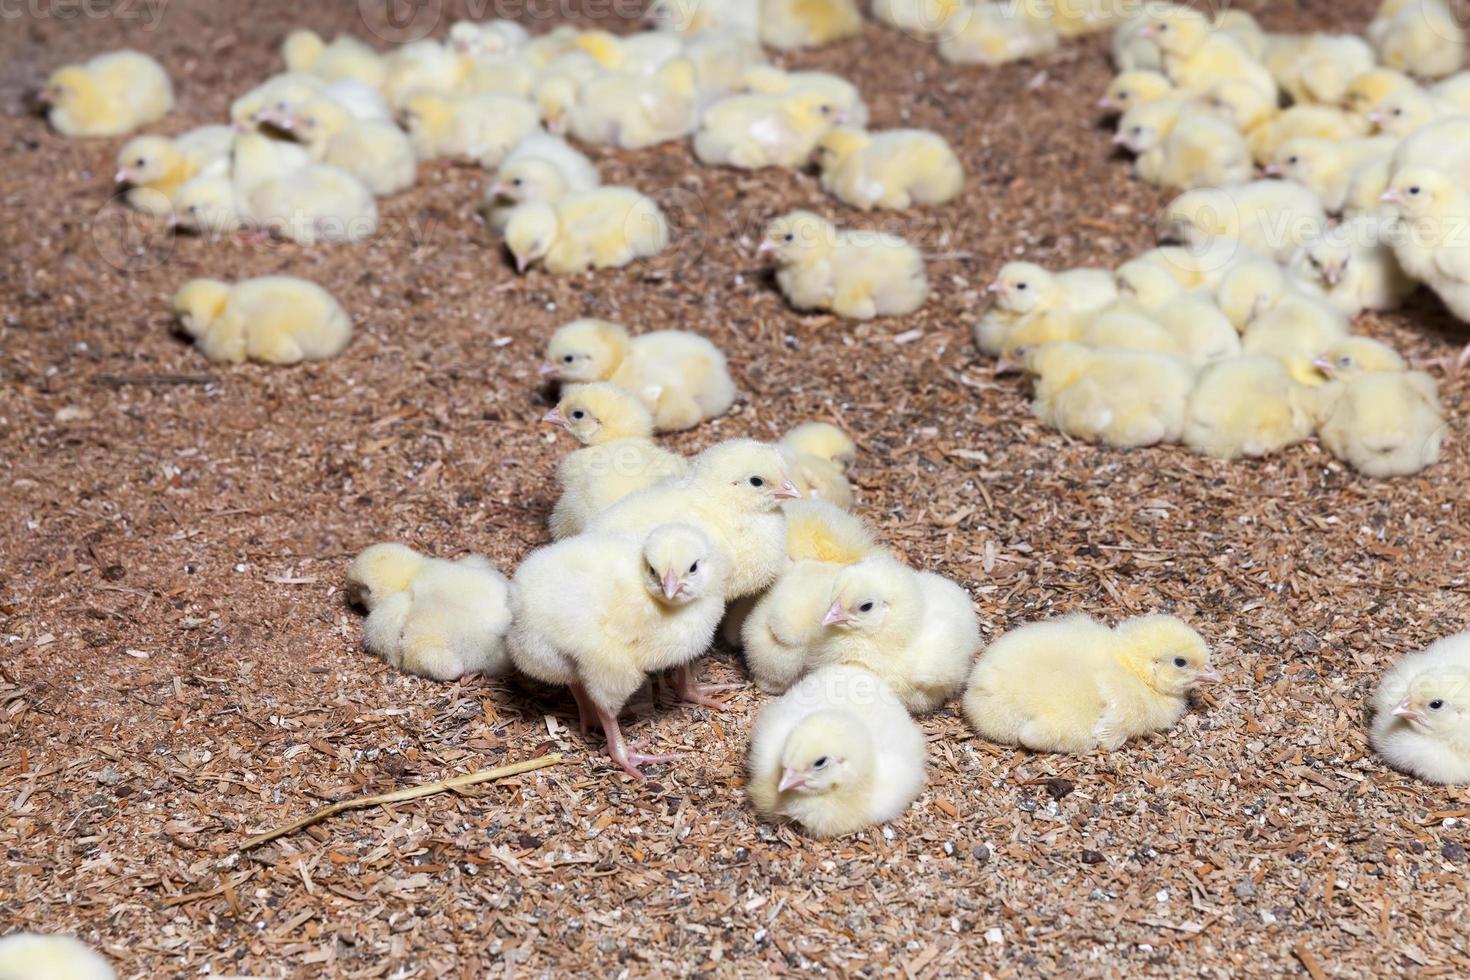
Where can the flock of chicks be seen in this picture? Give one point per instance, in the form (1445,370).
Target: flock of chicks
(1235,339)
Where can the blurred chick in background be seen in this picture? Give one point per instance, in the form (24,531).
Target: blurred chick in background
(1272,217)
(604,228)
(275,319)
(1421,720)
(1420,37)
(1131,89)
(844,97)
(855,274)
(29,956)
(1327,166)
(996,34)
(790,24)
(1431,246)
(818,456)
(1179,149)
(153,168)
(110,95)
(345,57)
(895,169)
(374,150)
(471,128)
(636,111)
(1196,57)
(751,132)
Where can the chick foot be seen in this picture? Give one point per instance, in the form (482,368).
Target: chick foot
(690,690)
(586,712)
(617,748)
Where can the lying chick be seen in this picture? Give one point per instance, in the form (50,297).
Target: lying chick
(1025,287)
(1353,266)
(424,67)
(1327,166)
(487,37)
(1383,423)
(1420,37)
(478,128)
(430,617)
(543,168)
(855,274)
(604,228)
(619,455)
(996,34)
(790,24)
(153,168)
(373,150)
(1247,406)
(279,93)
(818,456)
(1301,122)
(843,96)
(679,376)
(691,17)
(29,956)
(917,18)
(1325,66)
(345,57)
(1251,289)
(1353,356)
(208,206)
(1272,217)
(751,132)
(1201,332)
(1073,685)
(110,95)
(315,203)
(600,612)
(1366,93)
(1293,331)
(1122,398)
(1196,57)
(1419,713)
(1127,328)
(1131,89)
(1178,149)
(637,111)
(893,169)
(275,319)
(836,753)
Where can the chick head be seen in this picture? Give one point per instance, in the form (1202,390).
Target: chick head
(301,49)
(528,179)
(681,565)
(198,303)
(600,412)
(531,232)
(1403,112)
(554,97)
(838,144)
(1144,126)
(814,110)
(1358,355)
(1240,103)
(380,571)
(1325,260)
(1134,88)
(1024,287)
(206,206)
(67,86)
(316,120)
(797,237)
(826,751)
(146,160)
(1420,192)
(585,350)
(868,595)
(745,475)
(1303,159)
(1178,31)
(1436,702)
(763,78)
(1147,283)
(824,441)
(1370,90)
(1165,653)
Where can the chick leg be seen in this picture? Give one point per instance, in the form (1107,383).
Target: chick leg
(586,713)
(617,749)
(690,690)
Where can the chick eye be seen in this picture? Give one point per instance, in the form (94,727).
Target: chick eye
(1180,662)
(579,414)
(694,568)
(653,571)
(866,607)
(1397,113)
(756,481)
(788,237)
(1022,286)
(517,182)
(821,763)
(1293,161)
(1415,191)
(139,162)
(568,359)
(1436,704)
(1344,361)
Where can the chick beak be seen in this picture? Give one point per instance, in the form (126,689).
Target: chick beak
(1333,276)
(1207,677)
(1391,196)
(1105,103)
(123,176)
(1375,117)
(1407,711)
(787,491)
(1119,139)
(790,779)
(554,417)
(835,615)
(671,584)
(1323,364)
(1273,170)
(1148,30)
(496,189)
(173,220)
(548,371)
(996,287)
(1004,365)
(765,247)
(521,263)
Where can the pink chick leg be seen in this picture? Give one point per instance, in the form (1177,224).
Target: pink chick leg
(689,689)
(586,713)
(617,749)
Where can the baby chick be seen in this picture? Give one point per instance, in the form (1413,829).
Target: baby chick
(1385,423)
(740,18)
(279,93)
(1200,331)
(275,319)
(619,455)
(1247,406)
(345,57)
(423,67)
(1126,327)
(542,167)
(1430,246)
(681,377)
(206,205)
(915,630)
(1420,37)
(997,34)
(855,274)
(315,203)
(1293,331)
(843,96)
(754,131)
(1122,398)
(1131,89)
(1271,217)
(917,18)
(480,128)
(153,168)
(1327,166)
(1182,150)
(1353,266)
(430,617)
(1353,356)
(1366,93)
(604,228)
(790,24)
(894,169)
(1419,713)
(1301,122)
(110,95)
(1073,685)
(29,956)
(818,456)
(599,612)
(836,753)
(487,37)
(635,111)
(1251,289)
(373,150)
(1196,57)
(1325,67)
(1025,287)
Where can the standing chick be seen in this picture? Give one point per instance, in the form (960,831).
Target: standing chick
(275,319)
(896,168)
(1122,398)
(604,228)
(836,753)
(1073,685)
(787,25)
(29,956)
(427,616)
(1383,424)
(111,95)
(1247,406)
(818,456)
(681,377)
(855,274)
(1430,245)
(1421,713)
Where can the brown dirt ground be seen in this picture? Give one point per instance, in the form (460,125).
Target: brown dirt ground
(180,669)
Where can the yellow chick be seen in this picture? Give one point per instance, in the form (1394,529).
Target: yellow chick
(29,956)
(480,128)
(1353,266)
(1420,712)
(1247,406)
(740,18)
(855,274)
(1196,57)
(1251,289)
(111,95)
(894,169)
(637,111)
(1024,291)
(1072,685)
(996,34)
(1271,217)
(1454,91)
(790,24)
(315,203)
(274,319)
(1033,332)
(422,67)
(1294,331)
(501,74)
(1367,93)
(1078,18)
(543,168)
(733,493)
(754,131)
(1367,186)
(1180,149)
(1440,146)
(836,753)
(1409,111)
(604,228)
(206,206)
(1325,67)
(1327,166)
(915,630)
(487,37)
(842,95)
(373,150)
(345,57)
(1353,356)
(1298,122)
(153,168)
(1201,332)
(1420,37)
(1130,46)
(681,377)
(1122,398)
(1126,327)
(1146,283)
(818,456)
(600,612)
(279,93)
(619,455)
(1131,89)
(1382,424)
(559,87)
(923,19)
(1429,245)
(430,617)
(1245,29)
(641,53)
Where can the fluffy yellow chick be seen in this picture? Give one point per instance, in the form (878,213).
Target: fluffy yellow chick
(279,93)
(153,168)
(681,377)
(110,95)
(431,617)
(896,168)
(641,53)
(1294,331)
(1245,29)
(790,24)
(487,37)
(1430,246)
(1126,327)
(542,167)
(1405,113)
(754,131)
(1454,91)
(996,34)
(424,66)
(1072,685)
(1299,122)
(842,95)
(855,274)
(1247,406)
(1353,266)
(1195,57)
(733,493)
(1202,333)
(482,128)
(206,206)
(1250,289)
(345,57)
(600,612)
(1327,166)
(1179,149)
(604,228)
(1366,93)
(1123,398)
(1353,356)
(501,74)
(1034,331)
(1420,37)
(917,18)
(559,87)
(740,18)
(1131,89)
(1025,287)
(619,455)
(1442,146)
(275,319)
(315,203)
(818,456)
(1325,67)
(1384,423)
(915,630)
(1272,217)
(29,956)
(373,150)
(637,111)
(1420,712)
(836,753)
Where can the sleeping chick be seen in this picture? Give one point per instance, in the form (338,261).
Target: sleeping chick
(1327,166)
(1195,57)
(479,128)
(1131,89)
(110,95)
(915,630)
(29,956)
(1430,245)
(1353,266)
(1272,217)
(1181,149)
(1122,398)
(733,493)
(843,96)
(275,319)
(681,377)
(604,228)
(818,456)
(855,274)
(345,57)
(1420,712)
(790,24)
(543,168)
(153,168)
(896,168)
(637,111)
(1420,37)
(996,34)
(373,150)
(1247,406)
(431,617)
(619,455)
(1072,685)
(1294,331)
(1386,423)
(600,612)
(836,753)
(751,132)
